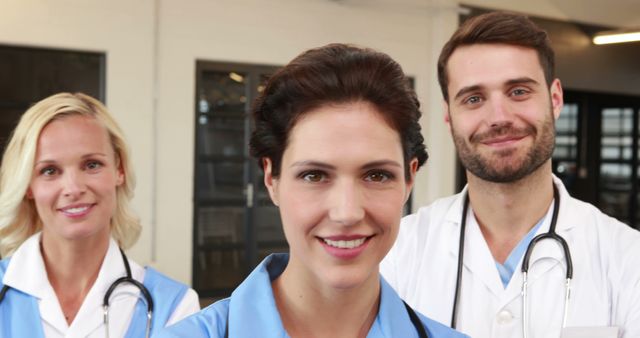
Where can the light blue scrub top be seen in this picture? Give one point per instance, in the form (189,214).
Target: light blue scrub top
(20,314)
(251,312)
(507,269)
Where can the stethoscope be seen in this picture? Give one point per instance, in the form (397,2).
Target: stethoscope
(551,234)
(105,304)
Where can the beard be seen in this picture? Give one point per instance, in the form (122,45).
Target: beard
(506,166)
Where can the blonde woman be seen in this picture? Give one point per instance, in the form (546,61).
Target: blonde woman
(65,185)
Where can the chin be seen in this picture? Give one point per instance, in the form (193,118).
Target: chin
(348,278)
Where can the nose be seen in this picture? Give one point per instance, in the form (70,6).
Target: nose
(346,203)
(500,112)
(74,184)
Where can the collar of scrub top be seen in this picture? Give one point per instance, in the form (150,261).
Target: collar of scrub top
(265,319)
(551,234)
(34,282)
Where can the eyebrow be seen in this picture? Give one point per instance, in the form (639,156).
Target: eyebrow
(382,163)
(466,90)
(83,157)
(522,80)
(511,82)
(312,164)
(326,166)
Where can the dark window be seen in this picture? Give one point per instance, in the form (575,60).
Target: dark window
(31,74)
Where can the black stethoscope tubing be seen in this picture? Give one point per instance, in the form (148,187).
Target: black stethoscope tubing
(551,234)
(128,279)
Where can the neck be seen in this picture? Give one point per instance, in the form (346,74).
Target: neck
(72,268)
(308,309)
(506,212)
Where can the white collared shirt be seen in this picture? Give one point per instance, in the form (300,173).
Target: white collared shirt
(26,272)
(422,267)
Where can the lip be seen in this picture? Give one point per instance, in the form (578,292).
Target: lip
(77,210)
(503,141)
(345,253)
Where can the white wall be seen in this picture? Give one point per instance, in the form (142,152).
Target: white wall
(123,30)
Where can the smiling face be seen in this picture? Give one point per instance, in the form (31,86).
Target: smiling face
(74,179)
(500,112)
(340,191)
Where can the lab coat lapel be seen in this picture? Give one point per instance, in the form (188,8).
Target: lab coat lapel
(478,260)
(547,253)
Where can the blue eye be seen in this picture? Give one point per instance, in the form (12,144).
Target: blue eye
(92,165)
(472,99)
(519,92)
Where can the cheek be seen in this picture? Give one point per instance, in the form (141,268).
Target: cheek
(300,209)
(386,207)
(39,193)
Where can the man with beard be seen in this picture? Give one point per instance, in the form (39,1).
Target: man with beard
(460,259)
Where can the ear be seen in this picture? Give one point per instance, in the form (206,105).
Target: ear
(413,169)
(29,194)
(447,114)
(269,181)
(557,100)
(119,174)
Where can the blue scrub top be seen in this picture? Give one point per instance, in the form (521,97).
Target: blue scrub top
(251,312)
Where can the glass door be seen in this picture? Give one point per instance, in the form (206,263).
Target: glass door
(235,223)
(618,181)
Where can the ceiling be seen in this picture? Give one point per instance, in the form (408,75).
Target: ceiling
(614,13)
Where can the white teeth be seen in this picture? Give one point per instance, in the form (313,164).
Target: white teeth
(76,210)
(345,244)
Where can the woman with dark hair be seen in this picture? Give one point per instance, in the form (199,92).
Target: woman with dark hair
(338,138)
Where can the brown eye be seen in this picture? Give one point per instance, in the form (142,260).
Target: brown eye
(313,176)
(378,176)
(48,171)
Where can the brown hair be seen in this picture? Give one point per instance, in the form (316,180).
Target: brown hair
(503,28)
(335,74)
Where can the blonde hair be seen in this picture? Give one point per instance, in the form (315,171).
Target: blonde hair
(18,216)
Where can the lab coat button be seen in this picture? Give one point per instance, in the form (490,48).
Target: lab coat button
(504,317)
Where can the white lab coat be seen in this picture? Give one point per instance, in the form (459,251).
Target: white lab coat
(26,273)
(606,272)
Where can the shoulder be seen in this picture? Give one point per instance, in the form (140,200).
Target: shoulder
(435,212)
(4,263)
(154,278)
(608,232)
(437,329)
(603,242)
(3,267)
(210,322)
(417,227)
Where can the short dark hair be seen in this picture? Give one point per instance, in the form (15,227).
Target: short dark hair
(335,74)
(503,28)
